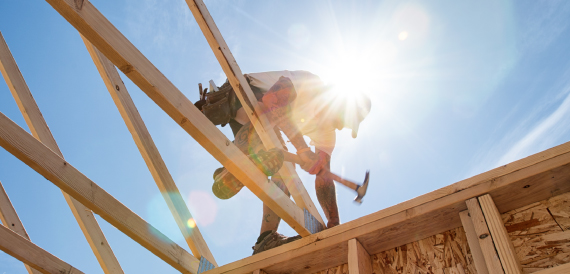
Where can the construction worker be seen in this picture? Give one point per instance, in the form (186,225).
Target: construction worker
(298,104)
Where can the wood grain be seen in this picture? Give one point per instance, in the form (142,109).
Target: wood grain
(503,244)
(10,219)
(484,235)
(473,241)
(40,130)
(43,160)
(400,224)
(125,56)
(32,255)
(245,95)
(358,258)
(150,154)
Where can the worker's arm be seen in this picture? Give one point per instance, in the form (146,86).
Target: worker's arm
(276,103)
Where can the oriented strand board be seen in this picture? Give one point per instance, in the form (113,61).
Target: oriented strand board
(341,269)
(538,233)
(445,253)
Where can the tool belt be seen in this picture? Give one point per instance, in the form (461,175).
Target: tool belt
(217,105)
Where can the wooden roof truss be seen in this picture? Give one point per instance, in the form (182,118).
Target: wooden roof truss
(474,203)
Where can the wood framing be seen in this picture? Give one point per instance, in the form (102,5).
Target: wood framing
(358,258)
(40,130)
(501,239)
(10,219)
(150,154)
(107,39)
(484,236)
(473,241)
(47,163)
(534,178)
(32,255)
(249,102)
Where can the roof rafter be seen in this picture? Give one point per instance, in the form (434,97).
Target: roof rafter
(125,56)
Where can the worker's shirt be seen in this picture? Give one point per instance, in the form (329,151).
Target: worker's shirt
(305,109)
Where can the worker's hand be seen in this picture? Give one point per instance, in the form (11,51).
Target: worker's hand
(320,163)
(309,159)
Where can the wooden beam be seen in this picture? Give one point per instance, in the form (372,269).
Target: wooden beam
(106,38)
(259,271)
(150,154)
(532,179)
(561,269)
(30,254)
(40,130)
(503,244)
(47,163)
(485,240)
(358,258)
(10,219)
(473,241)
(249,102)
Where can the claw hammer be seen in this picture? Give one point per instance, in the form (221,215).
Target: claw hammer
(360,189)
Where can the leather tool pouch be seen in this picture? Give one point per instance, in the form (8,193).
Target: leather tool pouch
(218,105)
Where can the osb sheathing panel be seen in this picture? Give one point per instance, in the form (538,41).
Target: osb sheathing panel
(540,233)
(445,253)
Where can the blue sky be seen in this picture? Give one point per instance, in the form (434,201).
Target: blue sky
(457,88)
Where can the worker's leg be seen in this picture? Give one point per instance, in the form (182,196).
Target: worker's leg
(326,194)
(270,219)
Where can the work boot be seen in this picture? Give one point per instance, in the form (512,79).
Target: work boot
(226,185)
(270,239)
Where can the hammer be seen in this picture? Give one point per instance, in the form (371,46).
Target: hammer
(360,189)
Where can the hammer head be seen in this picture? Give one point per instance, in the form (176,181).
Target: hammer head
(361,191)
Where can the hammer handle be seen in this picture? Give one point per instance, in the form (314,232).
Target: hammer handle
(294,158)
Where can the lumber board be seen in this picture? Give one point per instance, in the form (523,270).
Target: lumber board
(43,160)
(10,219)
(27,252)
(358,258)
(532,179)
(40,130)
(486,242)
(473,241)
(244,93)
(125,56)
(561,269)
(150,154)
(503,244)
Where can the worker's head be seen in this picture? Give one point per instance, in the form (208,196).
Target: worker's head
(348,111)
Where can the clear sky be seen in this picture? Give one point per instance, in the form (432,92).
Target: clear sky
(457,88)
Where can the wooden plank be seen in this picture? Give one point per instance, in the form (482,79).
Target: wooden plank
(106,38)
(561,269)
(473,240)
(150,154)
(40,130)
(30,254)
(503,244)
(358,258)
(47,163)
(418,218)
(259,271)
(249,102)
(485,240)
(10,219)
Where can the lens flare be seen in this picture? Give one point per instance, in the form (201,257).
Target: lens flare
(403,35)
(191,223)
(203,207)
